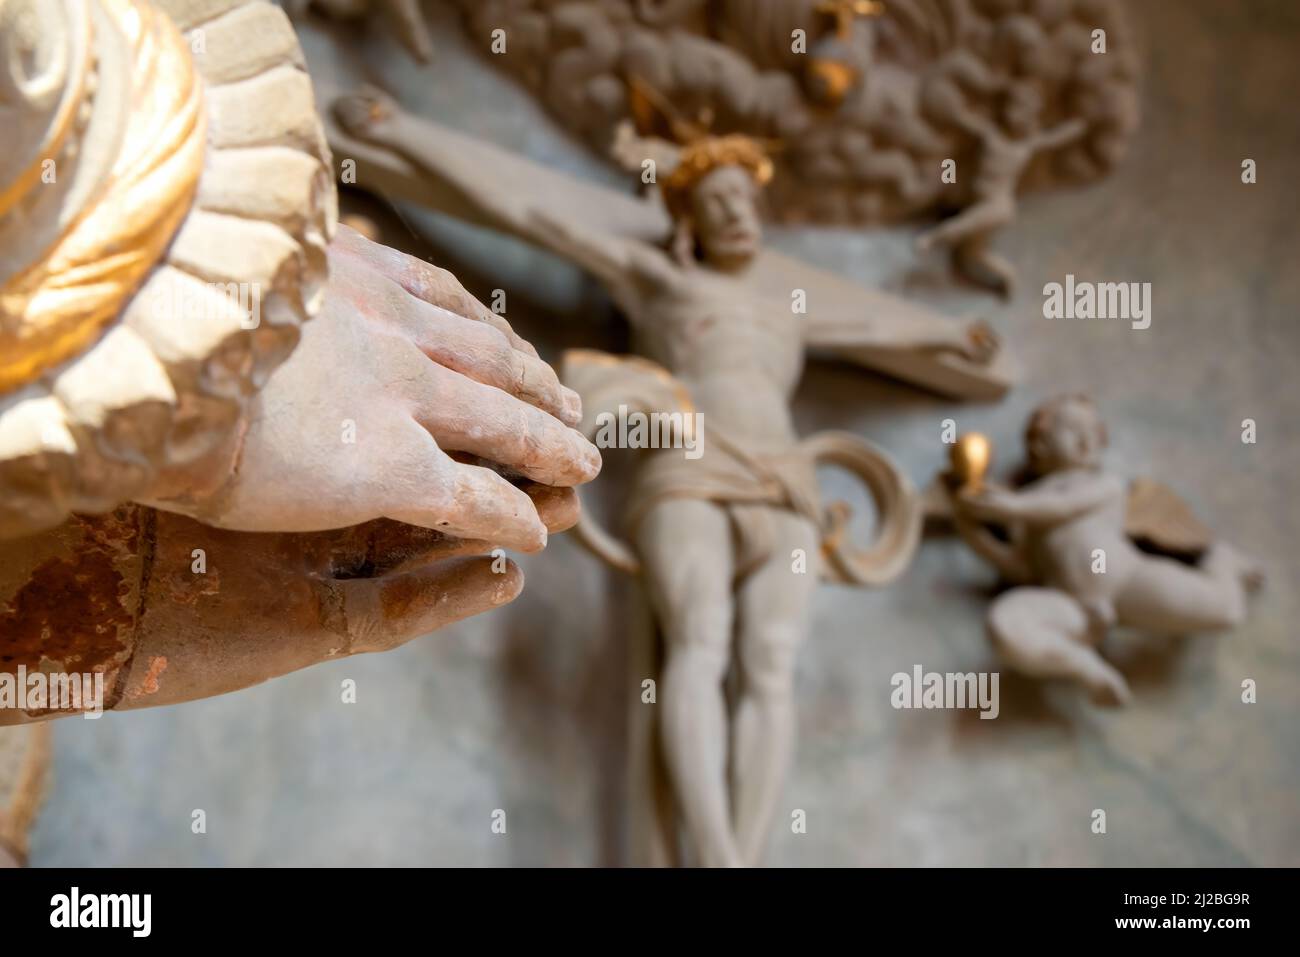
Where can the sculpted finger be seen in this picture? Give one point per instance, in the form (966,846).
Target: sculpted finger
(484,354)
(558,508)
(467,416)
(388,546)
(433,284)
(382,613)
(477,503)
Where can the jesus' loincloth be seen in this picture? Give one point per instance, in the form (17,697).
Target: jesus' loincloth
(748,482)
(748,486)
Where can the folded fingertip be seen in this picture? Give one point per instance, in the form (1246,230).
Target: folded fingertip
(508,580)
(480,584)
(591,461)
(572,412)
(536,542)
(528,534)
(558,508)
(382,613)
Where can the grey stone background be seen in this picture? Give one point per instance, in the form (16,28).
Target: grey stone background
(524,709)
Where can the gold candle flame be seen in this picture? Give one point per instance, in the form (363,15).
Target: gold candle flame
(969,459)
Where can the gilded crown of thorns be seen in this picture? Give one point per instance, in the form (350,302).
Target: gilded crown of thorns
(706,154)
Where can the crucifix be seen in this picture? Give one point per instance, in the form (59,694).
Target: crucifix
(730,544)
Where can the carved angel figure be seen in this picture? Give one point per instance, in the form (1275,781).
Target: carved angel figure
(1069,546)
(1007,150)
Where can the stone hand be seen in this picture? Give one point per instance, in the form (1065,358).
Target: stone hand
(182,610)
(406,399)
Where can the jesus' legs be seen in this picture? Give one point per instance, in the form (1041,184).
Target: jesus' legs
(772,605)
(686,547)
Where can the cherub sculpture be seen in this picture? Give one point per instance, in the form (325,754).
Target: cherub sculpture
(713,537)
(1002,160)
(1069,549)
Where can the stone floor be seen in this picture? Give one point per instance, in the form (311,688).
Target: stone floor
(524,710)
